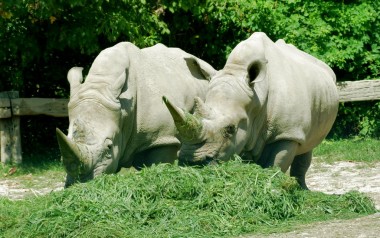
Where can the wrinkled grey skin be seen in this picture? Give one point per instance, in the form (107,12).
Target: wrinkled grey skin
(117,117)
(271,104)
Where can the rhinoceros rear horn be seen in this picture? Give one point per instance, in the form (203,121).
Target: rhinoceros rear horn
(188,125)
(71,155)
(201,109)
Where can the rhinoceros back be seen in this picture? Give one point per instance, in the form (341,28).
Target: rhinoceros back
(153,72)
(302,96)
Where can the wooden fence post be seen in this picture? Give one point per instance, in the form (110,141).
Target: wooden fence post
(10,140)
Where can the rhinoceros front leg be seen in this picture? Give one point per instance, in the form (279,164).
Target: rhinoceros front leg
(279,153)
(283,155)
(69,181)
(299,167)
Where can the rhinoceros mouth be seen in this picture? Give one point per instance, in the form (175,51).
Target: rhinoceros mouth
(101,167)
(198,154)
(71,180)
(206,161)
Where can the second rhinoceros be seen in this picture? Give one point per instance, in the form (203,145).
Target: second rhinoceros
(271,103)
(117,117)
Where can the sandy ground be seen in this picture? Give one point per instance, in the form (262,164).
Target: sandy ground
(342,177)
(14,188)
(336,178)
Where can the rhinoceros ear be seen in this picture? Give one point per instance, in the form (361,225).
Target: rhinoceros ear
(258,79)
(257,71)
(75,78)
(198,65)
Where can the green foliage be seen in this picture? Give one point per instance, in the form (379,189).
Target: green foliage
(358,119)
(341,33)
(344,34)
(170,201)
(41,40)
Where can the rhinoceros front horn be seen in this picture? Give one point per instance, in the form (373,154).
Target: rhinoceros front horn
(188,125)
(71,154)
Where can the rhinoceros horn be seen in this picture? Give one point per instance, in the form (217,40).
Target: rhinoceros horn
(201,110)
(71,154)
(189,126)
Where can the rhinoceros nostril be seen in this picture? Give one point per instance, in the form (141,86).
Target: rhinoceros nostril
(212,159)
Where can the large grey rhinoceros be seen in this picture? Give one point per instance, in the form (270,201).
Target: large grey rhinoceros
(271,103)
(117,117)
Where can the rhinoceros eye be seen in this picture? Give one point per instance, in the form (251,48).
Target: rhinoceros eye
(229,131)
(108,148)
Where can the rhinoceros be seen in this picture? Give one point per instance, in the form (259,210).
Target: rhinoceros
(117,117)
(271,103)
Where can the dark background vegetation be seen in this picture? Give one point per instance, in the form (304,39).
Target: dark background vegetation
(41,40)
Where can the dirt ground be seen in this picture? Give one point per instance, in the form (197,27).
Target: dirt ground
(336,178)
(29,185)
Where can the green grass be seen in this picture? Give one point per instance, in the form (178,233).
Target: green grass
(27,167)
(356,150)
(33,174)
(170,201)
(38,163)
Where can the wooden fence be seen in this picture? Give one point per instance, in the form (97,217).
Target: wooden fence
(12,107)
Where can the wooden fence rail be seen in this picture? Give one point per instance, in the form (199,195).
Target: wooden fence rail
(12,107)
(363,90)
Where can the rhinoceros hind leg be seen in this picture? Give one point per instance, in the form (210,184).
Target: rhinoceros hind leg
(300,165)
(161,154)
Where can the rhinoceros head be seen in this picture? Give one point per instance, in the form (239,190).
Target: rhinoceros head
(203,135)
(208,134)
(220,125)
(92,146)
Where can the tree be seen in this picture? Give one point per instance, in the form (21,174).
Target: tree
(43,39)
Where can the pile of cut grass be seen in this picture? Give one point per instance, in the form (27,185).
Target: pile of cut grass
(170,201)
